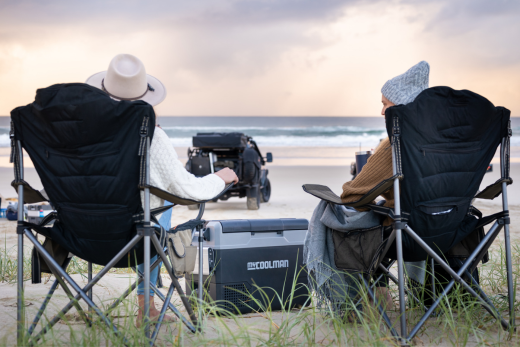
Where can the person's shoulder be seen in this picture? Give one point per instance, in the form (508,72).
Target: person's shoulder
(160,140)
(159,132)
(384,144)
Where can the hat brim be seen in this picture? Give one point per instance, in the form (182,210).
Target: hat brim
(153,98)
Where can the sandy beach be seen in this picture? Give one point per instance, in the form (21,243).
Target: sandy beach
(287,200)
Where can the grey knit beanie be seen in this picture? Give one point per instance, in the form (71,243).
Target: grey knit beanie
(403,89)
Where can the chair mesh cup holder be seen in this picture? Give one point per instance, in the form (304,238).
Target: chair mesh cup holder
(358,250)
(182,254)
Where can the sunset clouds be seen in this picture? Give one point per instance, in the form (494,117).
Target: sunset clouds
(264,57)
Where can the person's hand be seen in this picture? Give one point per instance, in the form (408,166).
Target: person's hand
(227,175)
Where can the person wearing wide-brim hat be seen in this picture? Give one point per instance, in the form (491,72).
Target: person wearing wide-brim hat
(126,79)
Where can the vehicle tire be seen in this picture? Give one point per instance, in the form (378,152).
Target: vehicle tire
(249,172)
(265,192)
(194,207)
(253,198)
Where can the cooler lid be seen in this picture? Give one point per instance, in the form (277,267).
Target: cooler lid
(263,225)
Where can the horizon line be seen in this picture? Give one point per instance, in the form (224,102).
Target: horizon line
(254,116)
(303,116)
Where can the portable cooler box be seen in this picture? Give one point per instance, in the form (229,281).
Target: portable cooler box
(36,213)
(239,254)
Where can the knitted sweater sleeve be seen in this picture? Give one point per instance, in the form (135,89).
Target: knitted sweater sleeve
(168,173)
(377,169)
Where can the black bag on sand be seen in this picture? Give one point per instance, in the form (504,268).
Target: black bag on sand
(39,265)
(85,148)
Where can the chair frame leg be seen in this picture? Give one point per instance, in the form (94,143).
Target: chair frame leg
(146,313)
(200,289)
(43,307)
(81,292)
(161,296)
(373,285)
(478,289)
(167,304)
(456,277)
(432,269)
(131,288)
(161,315)
(69,294)
(89,278)
(147,233)
(379,307)
(175,282)
(507,245)
(89,285)
(399,246)
(406,290)
(386,272)
(470,263)
(20,316)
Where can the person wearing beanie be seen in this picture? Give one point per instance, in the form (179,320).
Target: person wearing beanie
(400,90)
(403,89)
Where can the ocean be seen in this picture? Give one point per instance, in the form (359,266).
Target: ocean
(277,131)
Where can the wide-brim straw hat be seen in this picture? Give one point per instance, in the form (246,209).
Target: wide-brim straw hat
(126,79)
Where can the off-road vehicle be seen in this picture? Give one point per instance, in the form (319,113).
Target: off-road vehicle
(212,152)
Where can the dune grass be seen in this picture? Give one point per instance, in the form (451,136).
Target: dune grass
(459,321)
(8,265)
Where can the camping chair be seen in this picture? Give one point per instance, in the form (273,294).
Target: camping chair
(442,144)
(92,155)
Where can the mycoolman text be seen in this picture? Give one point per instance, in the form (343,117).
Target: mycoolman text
(271,264)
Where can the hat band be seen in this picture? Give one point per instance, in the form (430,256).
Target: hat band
(148,88)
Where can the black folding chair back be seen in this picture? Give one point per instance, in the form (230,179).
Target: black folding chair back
(92,154)
(442,144)
(85,148)
(448,140)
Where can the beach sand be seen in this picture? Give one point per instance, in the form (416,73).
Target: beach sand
(287,201)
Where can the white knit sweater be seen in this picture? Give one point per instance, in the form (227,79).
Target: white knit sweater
(168,173)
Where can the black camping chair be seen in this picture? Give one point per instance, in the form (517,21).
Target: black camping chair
(442,144)
(92,155)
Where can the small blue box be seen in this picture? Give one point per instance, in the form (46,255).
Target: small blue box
(3,212)
(11,215)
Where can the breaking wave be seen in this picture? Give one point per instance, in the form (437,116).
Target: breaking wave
(313,136)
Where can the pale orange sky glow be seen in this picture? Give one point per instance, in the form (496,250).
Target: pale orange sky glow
(264,57)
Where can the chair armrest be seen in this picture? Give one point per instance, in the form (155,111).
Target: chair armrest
(163,194)
(30,195)
(493,190)
(324,193)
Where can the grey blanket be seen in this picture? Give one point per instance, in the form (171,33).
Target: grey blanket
(331,285)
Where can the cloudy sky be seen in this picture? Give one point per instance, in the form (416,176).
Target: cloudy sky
(264,57)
